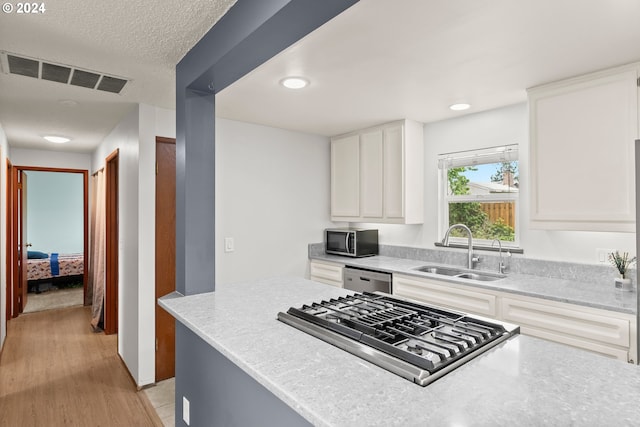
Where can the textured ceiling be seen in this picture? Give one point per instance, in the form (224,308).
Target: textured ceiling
(138,40)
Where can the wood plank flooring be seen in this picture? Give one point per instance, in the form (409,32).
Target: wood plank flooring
(55,372)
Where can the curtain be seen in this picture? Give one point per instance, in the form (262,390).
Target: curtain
(97,251)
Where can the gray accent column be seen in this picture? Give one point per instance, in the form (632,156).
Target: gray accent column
(199,191)
(249,34)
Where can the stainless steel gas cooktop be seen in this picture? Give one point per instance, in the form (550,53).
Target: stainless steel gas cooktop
(414,340)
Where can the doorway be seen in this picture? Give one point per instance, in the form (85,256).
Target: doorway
(165,254)
(20,267)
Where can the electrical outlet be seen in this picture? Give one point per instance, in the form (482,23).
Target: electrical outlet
(229,244)
(602,255)
(185,410)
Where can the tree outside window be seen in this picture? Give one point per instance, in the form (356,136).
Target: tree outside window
(487,208)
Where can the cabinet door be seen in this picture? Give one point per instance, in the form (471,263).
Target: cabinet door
(446,295)
(327,273)
(345,176)
(582,152)
(394,172)
(371,174)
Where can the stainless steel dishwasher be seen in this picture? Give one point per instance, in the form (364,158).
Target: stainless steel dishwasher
(360,280)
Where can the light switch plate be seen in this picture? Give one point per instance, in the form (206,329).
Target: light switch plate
(602,255)
(229,244)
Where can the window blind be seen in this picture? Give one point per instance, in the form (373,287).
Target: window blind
(500,154)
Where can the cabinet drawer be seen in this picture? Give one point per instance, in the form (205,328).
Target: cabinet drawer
(330,274)
(562,320)
(445,295)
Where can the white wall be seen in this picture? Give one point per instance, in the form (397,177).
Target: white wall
(134,137)
(506,125)
(272,198)
(153,122)
(55,212)
(124,138)
(4,148)
(50,159)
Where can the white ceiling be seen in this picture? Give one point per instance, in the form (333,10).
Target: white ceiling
(379,61)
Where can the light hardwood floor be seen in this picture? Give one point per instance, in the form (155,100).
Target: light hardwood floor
(55,372)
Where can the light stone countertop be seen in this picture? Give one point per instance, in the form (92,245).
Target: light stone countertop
(596,295)
(524,381)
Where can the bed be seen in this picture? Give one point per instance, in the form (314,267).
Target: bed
(57,268)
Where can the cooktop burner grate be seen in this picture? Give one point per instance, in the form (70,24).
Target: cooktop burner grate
(429,339)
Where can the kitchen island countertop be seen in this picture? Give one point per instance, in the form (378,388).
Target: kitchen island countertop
(524,381)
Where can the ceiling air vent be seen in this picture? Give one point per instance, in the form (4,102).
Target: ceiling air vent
(55,73)
(84,79)
(111,84)
(23,66)
(67,74)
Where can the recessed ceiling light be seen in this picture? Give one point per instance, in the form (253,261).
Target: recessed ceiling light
(459,107)
(57,139)
(294,82)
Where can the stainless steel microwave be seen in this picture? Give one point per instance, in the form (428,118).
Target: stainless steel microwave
(354,242)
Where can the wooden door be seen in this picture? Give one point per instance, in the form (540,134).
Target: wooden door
(165,254)
(23,245)
(18,250)
(11,247)
(111,252)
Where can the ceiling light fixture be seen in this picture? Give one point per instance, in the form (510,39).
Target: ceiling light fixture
(294,82)
(57,139)
(460,106)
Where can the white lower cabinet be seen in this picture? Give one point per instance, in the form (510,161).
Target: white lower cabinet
(445,294)
(326,272)
(600,331)
(605,332)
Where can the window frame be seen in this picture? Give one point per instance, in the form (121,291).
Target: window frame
(505,153)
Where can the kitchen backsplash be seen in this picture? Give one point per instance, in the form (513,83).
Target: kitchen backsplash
(489,262)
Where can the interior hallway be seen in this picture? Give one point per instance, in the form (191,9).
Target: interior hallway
(55,372)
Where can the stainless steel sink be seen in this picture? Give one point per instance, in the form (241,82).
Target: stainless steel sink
(445,271)
(483,277)
(460,273)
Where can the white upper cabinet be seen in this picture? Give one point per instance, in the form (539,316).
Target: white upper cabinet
(345,176)
(377,174)
(582,134)
(371,173)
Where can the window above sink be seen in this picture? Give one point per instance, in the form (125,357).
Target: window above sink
(480,189)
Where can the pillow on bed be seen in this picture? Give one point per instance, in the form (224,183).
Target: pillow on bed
(36,255)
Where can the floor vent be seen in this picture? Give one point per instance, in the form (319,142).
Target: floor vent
(67,74)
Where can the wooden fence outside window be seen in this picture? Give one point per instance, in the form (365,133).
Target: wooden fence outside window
(504,210)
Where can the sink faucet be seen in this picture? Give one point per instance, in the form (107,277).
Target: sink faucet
(445,242)
(501,266)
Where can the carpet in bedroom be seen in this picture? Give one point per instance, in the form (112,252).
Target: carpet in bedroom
(54,298)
